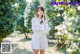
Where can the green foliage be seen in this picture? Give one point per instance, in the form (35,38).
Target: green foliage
(68,32)
(19,11)
(52,13)
(11,16)
(7,17)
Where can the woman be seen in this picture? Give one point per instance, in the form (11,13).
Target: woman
(40,28)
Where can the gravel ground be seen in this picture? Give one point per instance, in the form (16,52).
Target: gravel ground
(21,45)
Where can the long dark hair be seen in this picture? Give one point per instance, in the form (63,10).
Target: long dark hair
(42,9)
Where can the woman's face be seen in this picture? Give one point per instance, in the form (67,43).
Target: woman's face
(40,12)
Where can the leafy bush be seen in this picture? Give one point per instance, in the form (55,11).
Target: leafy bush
(7,18)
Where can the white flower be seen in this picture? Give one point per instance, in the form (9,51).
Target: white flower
(78,8)
(74,45)
(69,5)
(25,23)
(54,5)
(78,38)
(69,24)
(65,31)
(63,26)
(56,27)
(16,5)
(70,36)
(61,8)
(68,50)
(28,1)
(58,33)
(58,15)
(71,9)
(55,9)
(65,17)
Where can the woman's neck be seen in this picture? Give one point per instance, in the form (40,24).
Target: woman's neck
(39,17)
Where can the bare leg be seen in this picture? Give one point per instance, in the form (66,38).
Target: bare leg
(35,51)
(42,51)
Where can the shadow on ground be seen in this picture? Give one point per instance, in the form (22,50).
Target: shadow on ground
(22,51)
(25,39)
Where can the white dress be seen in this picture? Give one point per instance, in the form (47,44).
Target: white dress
(39,39)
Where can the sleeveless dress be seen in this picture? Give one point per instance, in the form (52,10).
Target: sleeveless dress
(39,39)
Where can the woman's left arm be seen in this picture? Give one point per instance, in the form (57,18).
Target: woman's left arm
(46,26)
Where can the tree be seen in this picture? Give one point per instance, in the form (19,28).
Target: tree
(54,14)
(7,18)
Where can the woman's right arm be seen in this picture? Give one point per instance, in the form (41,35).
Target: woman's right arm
(36,27)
